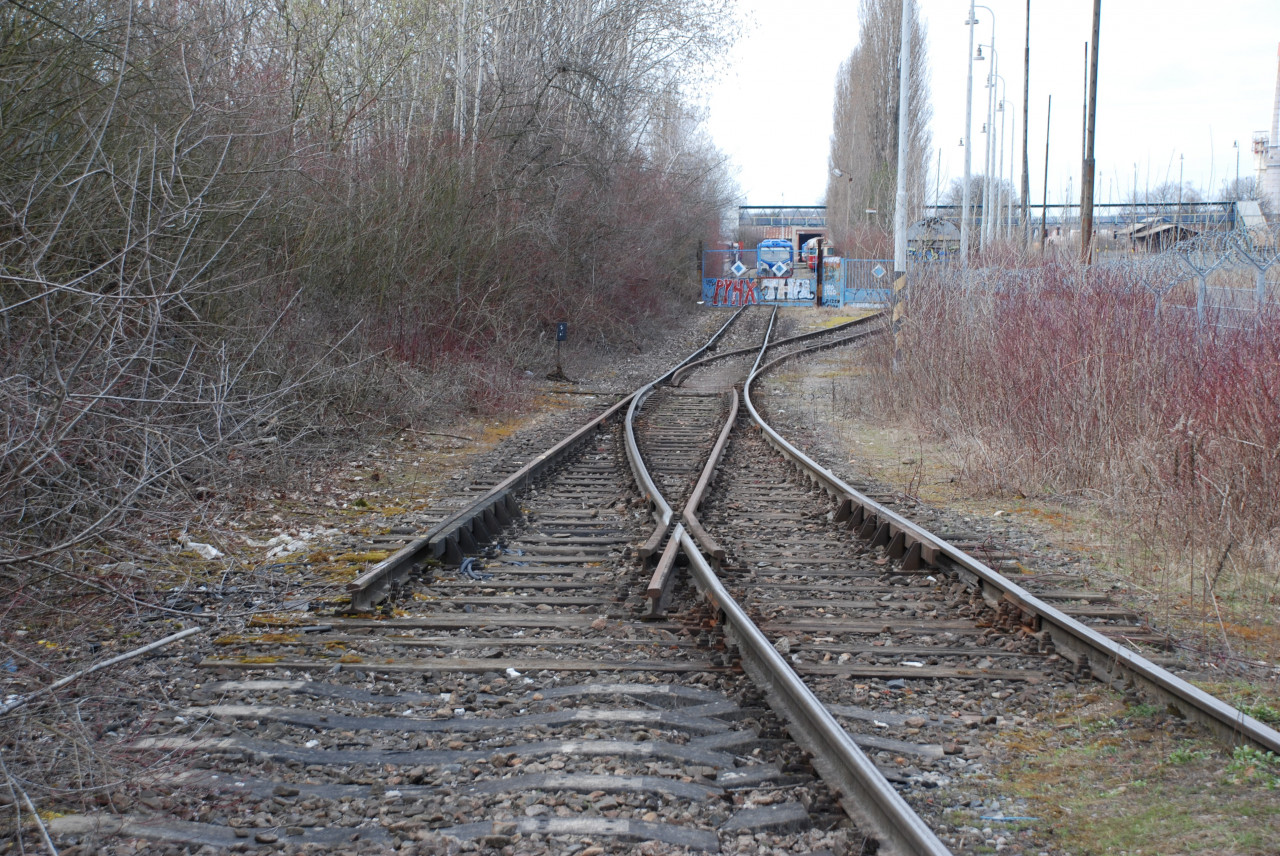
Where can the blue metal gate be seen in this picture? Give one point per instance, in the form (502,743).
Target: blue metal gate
(867,282)
(732,277)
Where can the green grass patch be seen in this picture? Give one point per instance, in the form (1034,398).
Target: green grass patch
(1113,779)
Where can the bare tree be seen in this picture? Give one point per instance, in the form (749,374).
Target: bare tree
(954,194)
(213,212)
(188,188)
(1246,188)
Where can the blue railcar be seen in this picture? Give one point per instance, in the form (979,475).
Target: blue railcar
(775,258)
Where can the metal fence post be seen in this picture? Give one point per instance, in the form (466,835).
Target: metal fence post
(1202,296)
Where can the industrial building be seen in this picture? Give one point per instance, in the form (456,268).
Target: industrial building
(1266,150)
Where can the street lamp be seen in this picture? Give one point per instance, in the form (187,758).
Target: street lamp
(998,182)
(986,182)
(1013,134)
(965,210)
(998,188)
(989,187)
(982,223)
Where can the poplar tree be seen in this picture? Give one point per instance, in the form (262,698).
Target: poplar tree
(864,137)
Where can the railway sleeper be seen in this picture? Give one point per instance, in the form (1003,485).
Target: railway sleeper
(914,554)
(480,524)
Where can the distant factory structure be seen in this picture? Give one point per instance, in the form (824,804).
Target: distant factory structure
(1267,152)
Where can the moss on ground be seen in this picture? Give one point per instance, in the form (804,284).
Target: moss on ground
(1110,776)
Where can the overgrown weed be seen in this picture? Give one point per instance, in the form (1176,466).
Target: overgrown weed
(1097,387)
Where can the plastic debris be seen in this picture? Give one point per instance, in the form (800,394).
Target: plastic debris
(468,569)
(204,551)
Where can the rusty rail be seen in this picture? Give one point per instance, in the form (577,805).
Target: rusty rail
(1120,666)
(661,509)
(463,531)
(678,377)
(867,795)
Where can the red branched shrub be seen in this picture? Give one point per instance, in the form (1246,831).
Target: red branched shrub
(1057,381)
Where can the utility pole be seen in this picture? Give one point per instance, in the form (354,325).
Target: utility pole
(900,201)
(989,158)
(1026,121)
(1086,179)
(1084,107)
(817,296)
(1044,200)
(968,147)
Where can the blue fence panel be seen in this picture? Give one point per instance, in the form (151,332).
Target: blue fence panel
(867,281)
(731,278)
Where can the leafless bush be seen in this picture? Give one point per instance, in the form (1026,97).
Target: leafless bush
(202,202)
(1118,385)
(235,228)
(118,386)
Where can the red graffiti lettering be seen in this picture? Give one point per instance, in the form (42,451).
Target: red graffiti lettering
(733,292)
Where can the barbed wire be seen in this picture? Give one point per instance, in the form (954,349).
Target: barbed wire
(1201,262)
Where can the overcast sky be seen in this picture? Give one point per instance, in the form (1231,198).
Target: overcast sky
(1178,83)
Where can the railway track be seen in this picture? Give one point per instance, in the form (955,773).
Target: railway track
(537,672)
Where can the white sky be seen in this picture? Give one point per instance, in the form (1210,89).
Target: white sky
(1178,82)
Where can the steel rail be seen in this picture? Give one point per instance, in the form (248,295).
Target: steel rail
(689,516)
(1077,642)
(661,509)
(683,371)
(464,530)
(867,795)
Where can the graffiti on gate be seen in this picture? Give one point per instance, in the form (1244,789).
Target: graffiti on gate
(787,290)
(729,292)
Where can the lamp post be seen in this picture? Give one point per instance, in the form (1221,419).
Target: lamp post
(998,183)
(988,185)
(965,211)
(986,168)
(1004,192)
(1013,134)
(986,179)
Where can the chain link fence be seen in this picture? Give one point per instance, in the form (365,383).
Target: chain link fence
(1228,279)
